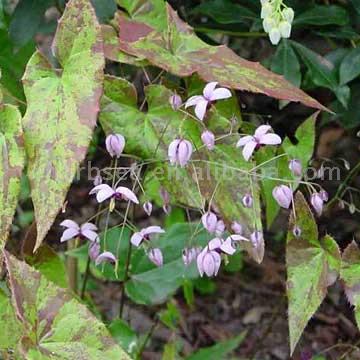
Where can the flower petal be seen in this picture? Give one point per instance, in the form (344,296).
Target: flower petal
(173,150)
(220,93)
(152,230)
(127,193)
(270,139)
(192,101)
(199,261)
(200,109)
(97,188)
(227,247)
(136,239)
(248,150)
(69,234)
(236,237)
(214,244)
(88,226)
(105,256)
(104,194)
(70,224)
(89,234)
(262,130)
(209,89)
(244,140)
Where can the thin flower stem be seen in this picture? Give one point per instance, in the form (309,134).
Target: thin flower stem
(148,336)
(268,161)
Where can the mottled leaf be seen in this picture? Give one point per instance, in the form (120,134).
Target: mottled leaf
(57,134)
(155,32)
(53,324)
(312,266)
(12,157)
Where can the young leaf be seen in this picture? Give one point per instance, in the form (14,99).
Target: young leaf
(349,68)
(52,322)
(57,135)
(312,266)
(12,157)
(160,36)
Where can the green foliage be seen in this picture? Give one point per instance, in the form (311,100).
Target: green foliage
(124,335)
(321,15)
(312,265)
(55,150)
(49,321)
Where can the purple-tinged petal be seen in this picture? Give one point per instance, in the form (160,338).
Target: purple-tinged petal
(257,238)
(270,139)
(247,200)
(69,234)
(165,197)
(98,180)
(88,226)
(262,130)
(127,194)
(237,237)
(220,93)
(70,224)
(227,247)
(200,109)
(236,228)
(189,255)
(214,244)
(244,140)
(209,221)
(152,230)
(97,188)
(211,263)
(283,196)
(324,195)
(209,89)
(104,194)
(136,239)
(184,152)
(193,101)
(208,139)
(148,208)
(220,228)
(115,144)
(89,234)
(199,261)
(106,256)
(175,101)
(248,150)
(156,257)
(317,202)
(295,167)
(173,151)
(94,250)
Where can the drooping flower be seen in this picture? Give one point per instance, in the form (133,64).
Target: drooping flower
(165,197)
(180,151)
(317,203)
(236,228)
(283,195)
(247,200)
(210,94)
(156,257)
(260,137)
(208,139)
(274,35)
(87,230)
(115,144)
(257,238)
(324,195)
(209,221)
(144,234)
(94,250)
(97,180)
(148,208)
(175,101)
(295,167)
(190,254)
(104,192)
(106,256)
(220,228)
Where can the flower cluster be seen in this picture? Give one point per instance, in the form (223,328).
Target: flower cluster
(277,19)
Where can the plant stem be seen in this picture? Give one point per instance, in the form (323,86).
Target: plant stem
(126,278)
(71,264)
(148,336)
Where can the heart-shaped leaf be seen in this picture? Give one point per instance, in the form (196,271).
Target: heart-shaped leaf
(57,135)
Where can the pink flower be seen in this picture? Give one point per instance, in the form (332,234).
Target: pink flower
(324,195)
(175,101)
(104,192)
(261,137)
(209,221)
(283,196)
(138,237)
(180,151)
(236,228)
(94,250)
(156,257)
(115,144)
(165,197)
(210,94)
(295,167)
(220,228)
(190,254)
(208,139)
(208,262)
(106,256)
(317,202)
(148,208)
(87,230)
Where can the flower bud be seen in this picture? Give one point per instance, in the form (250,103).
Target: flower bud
(115,144)
(274,35)
(156,257)
(317,203)
(148,208)
(94,250)
(220,228)
(237,228)
(175,101)
(268,24)
(189,255)
(266,10)
(285,29)
(283,196)
(208,139)
(247,200)
(288,14)
(208,262)
(257,238)
(209,221)
(297,231)
(324,195)
(180,151)
(295,167)
(97,180)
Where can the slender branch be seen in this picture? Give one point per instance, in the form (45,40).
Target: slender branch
(148,336)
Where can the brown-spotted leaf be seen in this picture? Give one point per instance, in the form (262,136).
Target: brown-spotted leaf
(312,265)
(350,274)
(154,32)
(62,107)
(11,164)
(53,324)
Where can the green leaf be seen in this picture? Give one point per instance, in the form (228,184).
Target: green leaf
(285,62)
(26,19)
(356,4)
(349,68)
(52,322)
(105,9)
(158,34)
(56,140)
(124,335)
(220,350)
(312,266)
(171,316)
(12,157)
(323,15)
(2,17)
(226,12)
